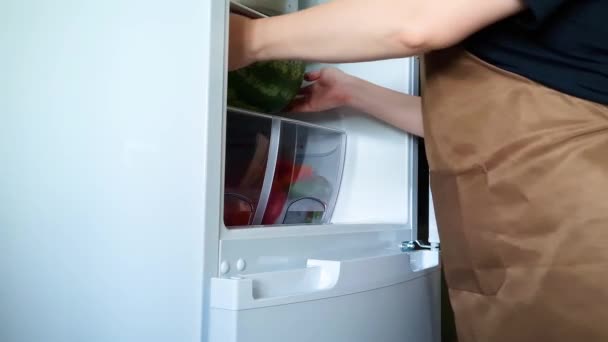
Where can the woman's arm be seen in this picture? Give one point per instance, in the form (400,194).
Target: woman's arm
(333,88)
(396,109)
(363,30)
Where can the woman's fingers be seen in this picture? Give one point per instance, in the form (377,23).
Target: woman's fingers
(312,75)
(306,90)
(300,104)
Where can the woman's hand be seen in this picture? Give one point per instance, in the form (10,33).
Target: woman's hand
(240,42)
(331,89)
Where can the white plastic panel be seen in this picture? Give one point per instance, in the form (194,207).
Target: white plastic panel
(322,279)
(407,311)
(104,152)
(292,252)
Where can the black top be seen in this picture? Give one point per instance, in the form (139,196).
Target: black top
(562,44)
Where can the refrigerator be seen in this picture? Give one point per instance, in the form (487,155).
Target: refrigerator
(138,206)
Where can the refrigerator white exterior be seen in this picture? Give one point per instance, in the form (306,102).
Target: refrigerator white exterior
(109,168)
(111,189)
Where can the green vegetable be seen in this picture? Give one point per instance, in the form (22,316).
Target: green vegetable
(266,87)
(316,187)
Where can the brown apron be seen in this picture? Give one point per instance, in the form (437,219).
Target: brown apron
(519,175)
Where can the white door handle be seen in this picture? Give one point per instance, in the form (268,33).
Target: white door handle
(320,279)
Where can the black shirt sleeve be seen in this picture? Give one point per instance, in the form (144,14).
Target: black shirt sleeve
(538,12)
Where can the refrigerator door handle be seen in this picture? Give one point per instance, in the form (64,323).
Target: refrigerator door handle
(320,279)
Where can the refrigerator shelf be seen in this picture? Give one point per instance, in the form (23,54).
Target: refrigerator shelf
(239,8)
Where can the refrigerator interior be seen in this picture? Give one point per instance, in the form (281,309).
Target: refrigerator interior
(294,275)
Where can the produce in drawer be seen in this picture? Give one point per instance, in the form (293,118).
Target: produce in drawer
(265,87)
(293,182)
(316,187)
(274,208)
(287,172)
(237,210)
(256,169)
(283,174)
(243,189)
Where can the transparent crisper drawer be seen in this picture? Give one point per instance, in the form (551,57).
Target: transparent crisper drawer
(307,175)
(247,147)
(280,171)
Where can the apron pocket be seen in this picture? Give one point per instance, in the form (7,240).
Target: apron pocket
(472,260)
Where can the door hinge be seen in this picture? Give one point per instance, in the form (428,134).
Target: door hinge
(417,245)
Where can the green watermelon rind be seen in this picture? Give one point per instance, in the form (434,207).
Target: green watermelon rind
(267,87)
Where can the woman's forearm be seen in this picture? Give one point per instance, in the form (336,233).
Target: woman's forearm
(362,30)
(337,31)
(397,109)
